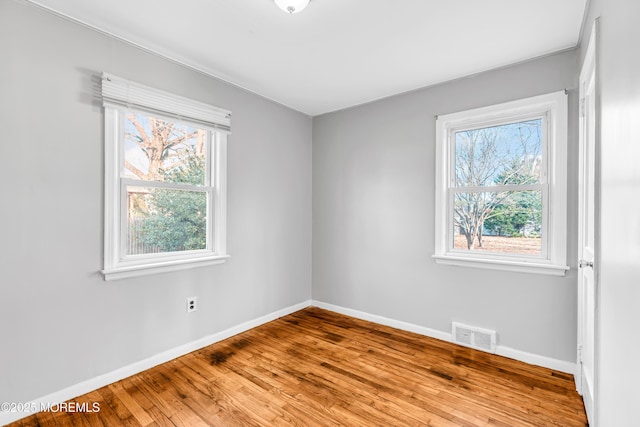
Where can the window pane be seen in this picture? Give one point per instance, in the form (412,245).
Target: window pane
(161,220)
(503,222)
(160,150)
(499,155)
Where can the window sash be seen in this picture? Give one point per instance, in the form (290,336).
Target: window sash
(497,188)
(212,140)
(124,210)
(543,186)
(130,182)
(544,226)
(209,187)
(482,124)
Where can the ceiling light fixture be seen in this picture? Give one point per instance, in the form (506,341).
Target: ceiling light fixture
(292,6)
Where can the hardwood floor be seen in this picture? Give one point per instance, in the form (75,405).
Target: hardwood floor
(318,368)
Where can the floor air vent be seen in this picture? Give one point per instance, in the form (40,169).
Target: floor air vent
(470,336)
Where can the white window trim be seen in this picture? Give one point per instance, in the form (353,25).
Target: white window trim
(555,107)
(119,96)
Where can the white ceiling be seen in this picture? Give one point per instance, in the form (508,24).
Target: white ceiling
(337,53)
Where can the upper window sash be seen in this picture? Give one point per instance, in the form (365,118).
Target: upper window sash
(211,137)
(451,141)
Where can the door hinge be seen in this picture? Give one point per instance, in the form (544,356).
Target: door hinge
(583,263)
(581,107)
(579,354)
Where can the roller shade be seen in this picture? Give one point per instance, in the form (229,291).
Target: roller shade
(120,92)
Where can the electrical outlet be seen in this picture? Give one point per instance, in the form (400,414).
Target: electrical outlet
(192,304)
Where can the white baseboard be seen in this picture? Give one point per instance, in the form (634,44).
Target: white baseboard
(398,324)
(523,356)
(536,359)
(134,368)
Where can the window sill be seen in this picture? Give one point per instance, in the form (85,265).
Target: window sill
(505,265)
(118,273)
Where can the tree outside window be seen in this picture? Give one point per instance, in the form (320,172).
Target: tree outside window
(501,186)
(165,219)
(498,191)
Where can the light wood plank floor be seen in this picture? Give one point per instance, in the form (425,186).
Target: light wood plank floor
(318,368)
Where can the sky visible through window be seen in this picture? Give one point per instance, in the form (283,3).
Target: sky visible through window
(153,145)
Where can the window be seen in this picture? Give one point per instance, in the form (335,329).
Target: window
(501,186)
(165,181)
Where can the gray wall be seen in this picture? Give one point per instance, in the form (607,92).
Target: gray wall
(373,216)
(61,323)
(373,192)
(617,349)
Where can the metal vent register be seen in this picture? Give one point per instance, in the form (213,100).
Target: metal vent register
(471,336)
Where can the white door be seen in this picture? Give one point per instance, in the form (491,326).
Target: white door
(587,301)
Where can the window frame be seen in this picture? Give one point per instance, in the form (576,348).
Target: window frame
(553,109)
(119,265)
